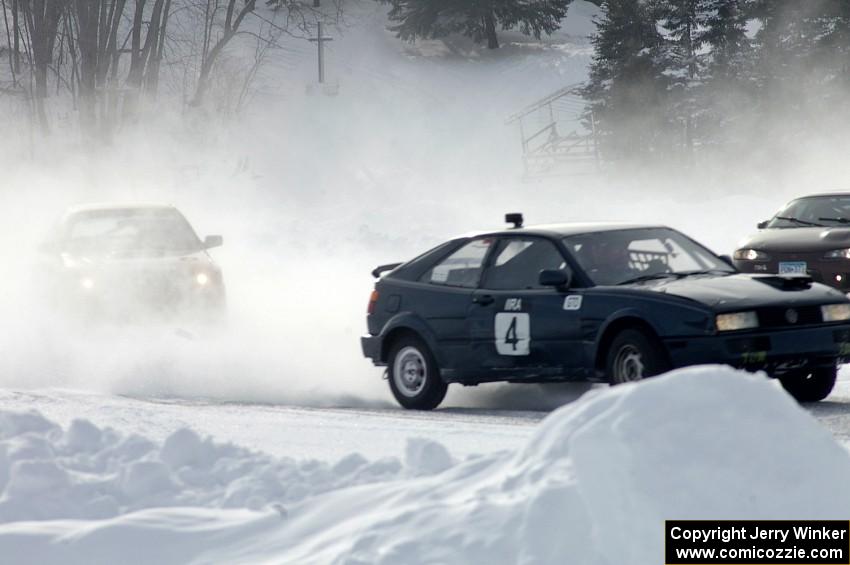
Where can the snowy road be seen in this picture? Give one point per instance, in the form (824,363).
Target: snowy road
(321,433)
(331,433)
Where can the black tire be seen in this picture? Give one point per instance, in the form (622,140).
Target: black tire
(419,385)
(810,386)
(633,356)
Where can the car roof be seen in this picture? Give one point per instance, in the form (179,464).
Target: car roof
(824,195)
(106,206)
(567,229)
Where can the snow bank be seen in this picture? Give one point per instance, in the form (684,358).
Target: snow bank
(88,473)
(592,486)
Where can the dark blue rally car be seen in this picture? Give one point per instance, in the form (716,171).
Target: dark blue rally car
(599,302)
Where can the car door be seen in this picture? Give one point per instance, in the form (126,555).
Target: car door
(444,300)
(517,327)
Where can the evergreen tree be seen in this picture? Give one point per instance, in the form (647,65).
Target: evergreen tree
(727,94)
(681,21)
(834,41)
(477,19)
(724,34)
(790,66)
(627,89)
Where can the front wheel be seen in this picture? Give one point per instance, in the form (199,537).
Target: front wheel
(633,356)
(414,376)
(810,386)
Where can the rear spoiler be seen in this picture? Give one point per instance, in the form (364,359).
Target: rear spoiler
(378,271)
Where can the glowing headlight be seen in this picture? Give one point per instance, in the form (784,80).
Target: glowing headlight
(202,278)
(750,255)
(736,321)
(835,312)
(87,283)
(838,254)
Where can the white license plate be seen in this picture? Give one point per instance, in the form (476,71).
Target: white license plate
(792,268)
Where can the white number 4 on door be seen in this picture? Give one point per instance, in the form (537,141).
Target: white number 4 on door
(513,333)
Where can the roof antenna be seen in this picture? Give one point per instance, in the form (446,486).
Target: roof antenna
(515,219)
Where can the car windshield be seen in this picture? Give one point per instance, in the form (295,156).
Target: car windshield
(814,211)
(635,255)
(122,231)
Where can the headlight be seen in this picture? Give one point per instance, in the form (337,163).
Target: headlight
(838,254)
(202,279)
(736,321)
(750,255)
(835,312)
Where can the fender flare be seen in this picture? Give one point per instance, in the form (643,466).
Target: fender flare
(413,323)
(631,312)
(617,317)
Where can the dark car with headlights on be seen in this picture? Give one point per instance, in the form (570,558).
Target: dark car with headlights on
(598,302)
(808,236)
(132,262)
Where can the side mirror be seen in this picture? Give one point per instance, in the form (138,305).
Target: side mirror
(761,225)
(554,278)
(728,260)
(213,241)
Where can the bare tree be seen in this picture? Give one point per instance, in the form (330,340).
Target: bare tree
(157,52)
(110,56)
(42,23)
(145,56)
(209,55)
(13,42)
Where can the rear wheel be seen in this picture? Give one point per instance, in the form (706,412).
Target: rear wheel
(633,356)
(414,376)
(810,386)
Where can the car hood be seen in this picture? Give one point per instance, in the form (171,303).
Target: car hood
(138,261)
(742,292)
(796,240)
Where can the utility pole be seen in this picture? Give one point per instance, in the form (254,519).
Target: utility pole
(320,43)
(594,137)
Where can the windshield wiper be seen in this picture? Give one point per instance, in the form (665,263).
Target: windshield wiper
(679,275)
(798,221)
(839,220)
(683,274)
(643,278)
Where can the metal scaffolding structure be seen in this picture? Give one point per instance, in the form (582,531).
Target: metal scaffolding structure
(545,148)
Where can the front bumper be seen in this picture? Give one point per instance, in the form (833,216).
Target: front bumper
(140,302)
(834,273)
(822,344)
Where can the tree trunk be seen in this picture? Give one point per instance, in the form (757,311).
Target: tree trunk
(12,70)
(72,52)
(16,29)
(231,26)
(151,80)
(87,42)
(41,18)
(490,29)
(134,75)
(142,56)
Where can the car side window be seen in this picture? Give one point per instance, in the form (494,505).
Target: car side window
(462,268)
(518,263)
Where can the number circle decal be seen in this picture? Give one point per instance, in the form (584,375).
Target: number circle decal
(513,333)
